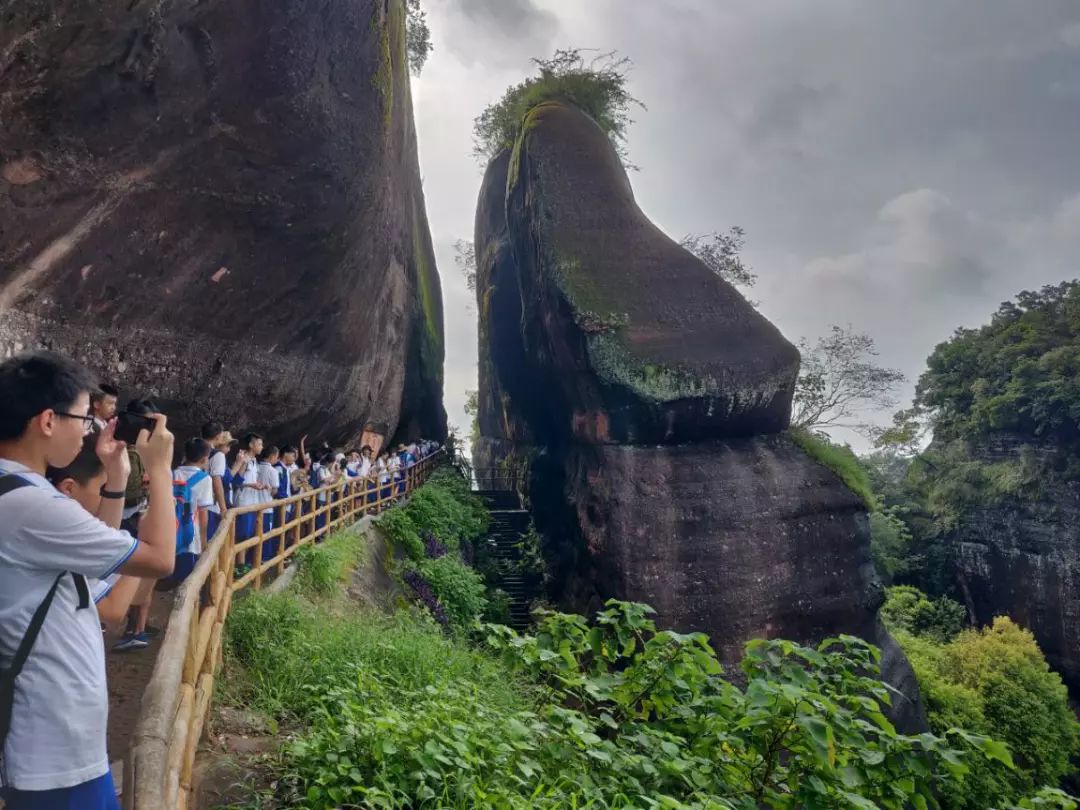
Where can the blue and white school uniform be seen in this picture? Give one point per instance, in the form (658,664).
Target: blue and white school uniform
(55,750)
(246,496)
(268,475)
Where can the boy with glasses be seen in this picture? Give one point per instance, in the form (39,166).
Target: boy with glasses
(53,701)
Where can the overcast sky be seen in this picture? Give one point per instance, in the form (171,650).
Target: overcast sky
(902,167)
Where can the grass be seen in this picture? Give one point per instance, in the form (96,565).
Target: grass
(322,569)
(841,460)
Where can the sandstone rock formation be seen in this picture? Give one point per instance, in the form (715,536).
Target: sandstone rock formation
(219,204)
(1021,558)
(650,399)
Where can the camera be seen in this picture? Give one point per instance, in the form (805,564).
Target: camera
(129,424)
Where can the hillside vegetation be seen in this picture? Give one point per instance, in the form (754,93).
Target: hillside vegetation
(407,711)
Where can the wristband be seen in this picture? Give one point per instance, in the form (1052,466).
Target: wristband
(112,496)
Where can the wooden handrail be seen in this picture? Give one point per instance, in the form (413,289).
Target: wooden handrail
(176,701)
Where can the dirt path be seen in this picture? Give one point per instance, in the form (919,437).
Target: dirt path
(127,674)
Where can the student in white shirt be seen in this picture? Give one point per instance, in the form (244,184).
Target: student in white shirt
(220,440)
(270,477)
(193,469)
(82,481)
(246,471)
(55,748)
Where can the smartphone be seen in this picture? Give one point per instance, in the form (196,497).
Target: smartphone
(128,426)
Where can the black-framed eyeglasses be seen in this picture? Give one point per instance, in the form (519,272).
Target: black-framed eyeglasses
(88,420)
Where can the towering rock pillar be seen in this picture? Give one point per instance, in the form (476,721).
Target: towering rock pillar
(653,400)
(219,204)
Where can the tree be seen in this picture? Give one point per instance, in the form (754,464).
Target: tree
(465,259)
(1017,374)
(417,36)
(720,253)
(598,87)
(840,381)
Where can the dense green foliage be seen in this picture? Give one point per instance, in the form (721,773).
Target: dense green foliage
(1019,373)
(612,714)
(909,610)
(1003,404)
(838,458)
(994,681)
(430,532)
(598,87)
(458,587)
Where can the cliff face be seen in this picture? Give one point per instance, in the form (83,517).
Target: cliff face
(649,399)
(219,204)
(1021,558)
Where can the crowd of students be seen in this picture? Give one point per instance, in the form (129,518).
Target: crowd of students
(90,522)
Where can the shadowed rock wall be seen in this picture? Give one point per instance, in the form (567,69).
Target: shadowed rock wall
(652,400)
(219,203)
(1021,558)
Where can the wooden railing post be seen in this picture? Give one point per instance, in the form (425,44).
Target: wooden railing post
(283,538)
(258,550)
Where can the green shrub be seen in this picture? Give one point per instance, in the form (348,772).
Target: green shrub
(908,609)
(840,459)
(403,533)
(323,568)
(995,681)
(458,587)
(443,506)
(629,717)
(597,87)
(890,544)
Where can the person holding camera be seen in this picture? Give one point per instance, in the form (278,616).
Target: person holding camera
(54,703)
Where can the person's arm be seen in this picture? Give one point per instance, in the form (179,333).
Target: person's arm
(219,494)
(114,456)
(238,464)
(155,553)
(113,608)
(303,459)
(204,524)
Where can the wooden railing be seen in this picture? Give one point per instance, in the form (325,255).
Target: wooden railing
(176,702)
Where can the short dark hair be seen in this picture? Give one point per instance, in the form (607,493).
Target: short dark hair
(141,407)
(269,450)
(104,390)
(195,450)
(249,439)
(83,469)
(366,447)
(212,429)
(288,449)
(33,382)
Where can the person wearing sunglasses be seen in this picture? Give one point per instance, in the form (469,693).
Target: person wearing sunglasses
(53,698)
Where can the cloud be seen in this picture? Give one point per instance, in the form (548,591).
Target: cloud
(1070,35)
(923,244)
(1067,219)
(894,166)
(498,32)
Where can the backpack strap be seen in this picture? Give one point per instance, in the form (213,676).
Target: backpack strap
(9,482)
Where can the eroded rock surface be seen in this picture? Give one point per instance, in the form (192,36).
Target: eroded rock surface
(651,400)
(219,204)
(1021,558)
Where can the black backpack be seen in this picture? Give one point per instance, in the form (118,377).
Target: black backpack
(9,483)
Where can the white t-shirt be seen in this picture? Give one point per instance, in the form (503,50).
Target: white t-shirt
(365,467)
(249,496)
(61,706)
(216,469)
(268,474)
(202,497)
